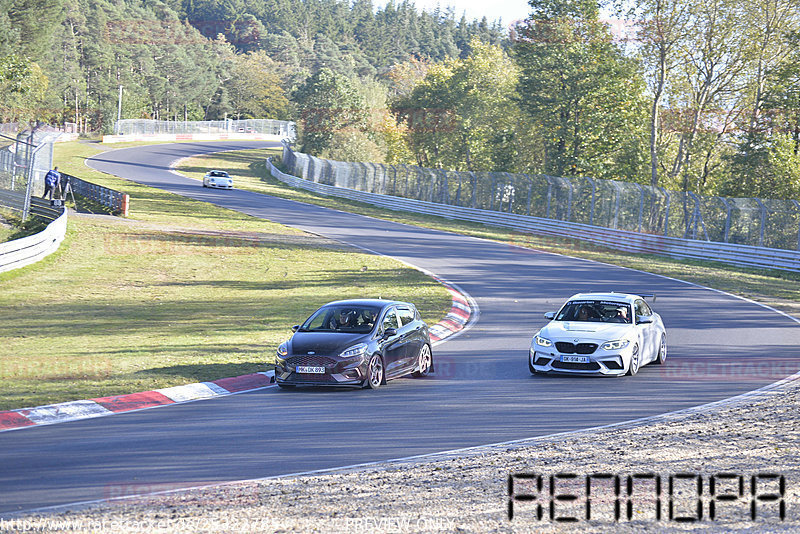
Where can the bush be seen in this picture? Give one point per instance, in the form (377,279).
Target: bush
(353,145)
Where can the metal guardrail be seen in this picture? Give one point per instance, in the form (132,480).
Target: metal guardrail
(771,223)
(285,129)
(39,207)
(742,255)
(114,200)
(27,250)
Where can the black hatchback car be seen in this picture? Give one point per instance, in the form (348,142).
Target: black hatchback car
(355,343)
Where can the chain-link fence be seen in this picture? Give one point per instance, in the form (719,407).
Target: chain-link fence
(255,126)
(25,158)
(607,203)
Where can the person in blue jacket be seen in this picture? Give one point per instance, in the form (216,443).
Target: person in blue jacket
(51,180)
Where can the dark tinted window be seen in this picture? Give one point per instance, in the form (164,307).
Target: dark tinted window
(390,321)
(595,311)
(406,316)
(350,319)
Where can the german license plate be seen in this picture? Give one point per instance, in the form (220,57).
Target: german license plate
(311,370)
(575,359)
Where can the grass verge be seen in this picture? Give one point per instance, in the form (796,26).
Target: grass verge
(180,292)
(13,227)
(772,287)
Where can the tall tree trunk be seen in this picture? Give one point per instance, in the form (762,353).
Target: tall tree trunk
(655,121)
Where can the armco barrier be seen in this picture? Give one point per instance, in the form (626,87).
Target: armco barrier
(27,250)
(148,127)
(114,200)
(628,206)
(742,255)
(39,206)
(172,138)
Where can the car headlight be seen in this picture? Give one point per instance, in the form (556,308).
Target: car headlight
(542,341)
(616,345)
(355,350)
(282,350)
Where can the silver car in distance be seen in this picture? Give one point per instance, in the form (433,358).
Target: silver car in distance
(611,334)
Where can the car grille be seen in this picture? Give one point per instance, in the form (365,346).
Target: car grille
(310,361)
(591,366)
(542,361)
(612,364)
(565,347)
(298,377)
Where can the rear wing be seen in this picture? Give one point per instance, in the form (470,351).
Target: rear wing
(643,295)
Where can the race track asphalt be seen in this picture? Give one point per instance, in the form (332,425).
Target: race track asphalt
(719,346)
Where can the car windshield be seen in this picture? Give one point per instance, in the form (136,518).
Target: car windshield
(595,311)
(219,174)
(351,319)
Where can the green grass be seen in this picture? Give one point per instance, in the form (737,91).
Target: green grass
(8,228)
(776,288)
(182,291)
(13,227)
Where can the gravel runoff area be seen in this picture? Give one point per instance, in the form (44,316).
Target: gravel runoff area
(753,435)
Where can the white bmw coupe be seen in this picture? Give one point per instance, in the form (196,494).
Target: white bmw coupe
(599,333)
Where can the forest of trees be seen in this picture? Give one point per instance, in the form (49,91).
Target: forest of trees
(702,96)
(63,60)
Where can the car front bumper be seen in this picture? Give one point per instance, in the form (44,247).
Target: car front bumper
(609,364)
(350,372)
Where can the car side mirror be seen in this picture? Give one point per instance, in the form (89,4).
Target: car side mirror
(550,316)
(644,319)
(295,328)
(389,332)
